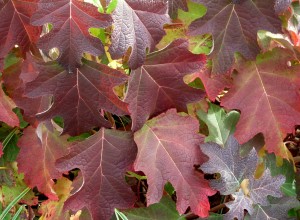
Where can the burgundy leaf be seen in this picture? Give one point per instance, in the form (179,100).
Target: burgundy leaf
(103,160)
(234,26)
(78,96)
(138,25)
(6,106)
(15,77)
(158,85)
(40,148)
(266,91)
(15,25)
(71,20)
(168,148)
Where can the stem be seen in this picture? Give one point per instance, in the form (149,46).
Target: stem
(217,208)
(297,159)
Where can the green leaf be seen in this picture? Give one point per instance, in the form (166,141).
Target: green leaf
(220,124)
(287,169)
(165,209)
(13,203)
(194,12)
(169,188)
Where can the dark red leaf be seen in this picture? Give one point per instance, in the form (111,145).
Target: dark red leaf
(138,24)
(6,106)
(168,148)
(40,148)
(71,20)
(15,77)
(267,93)
(234,26)
(15,25)
(103,160)
(78,96)
(158,85)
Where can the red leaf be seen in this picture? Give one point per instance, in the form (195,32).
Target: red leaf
(213,84)
(234,26)
(71,20)
(267,93)
(158,85)
(103,159)
(6,106)
(15,25)
(40,148)
(15,78)
(168,148)
(138,24)
(78,96)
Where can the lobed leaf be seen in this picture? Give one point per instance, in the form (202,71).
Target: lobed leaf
(138,27)
(234,26)
(71,20)
(167,151)
(78,96)
(158,85)
(266,91)
(103,160)
(38,155)
(229,164)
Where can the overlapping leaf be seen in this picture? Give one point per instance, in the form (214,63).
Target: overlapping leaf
(237,173)
(158,85)
(282,5)
(227,161)
(6,106)
(71,20)
(15,25)
(78,96)
(103,160)
(15,77)
(138,25)
(174,5)
(259,190)
(220,124)
(277,210)
(237,206)
(38,155)
(267,93)
(234,26)
(165,209)
(167,151)
(53,210)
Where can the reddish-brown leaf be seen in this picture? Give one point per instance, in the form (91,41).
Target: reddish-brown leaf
(158,85)
(6,106)
(71,20)
(15,77)
(40,148)
(78,96)
(138,25)
(168,148)
(213,84)
(103,160)
(267,93)
(234,26)
(15,25)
